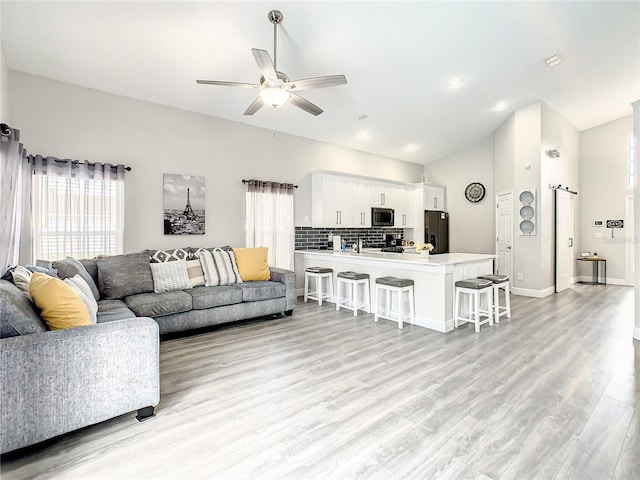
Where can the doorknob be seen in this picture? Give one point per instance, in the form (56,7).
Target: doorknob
(508,247)
(571,242)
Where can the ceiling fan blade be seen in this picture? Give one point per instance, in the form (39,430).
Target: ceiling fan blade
(317,82)
(265,64)
(227,84)
(304,104)
(254,107)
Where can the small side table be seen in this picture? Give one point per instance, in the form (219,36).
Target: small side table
(596,269)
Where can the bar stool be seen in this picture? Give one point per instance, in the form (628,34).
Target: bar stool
(352,281)
(500,282)
(393,285)
(320,274)
(474,288)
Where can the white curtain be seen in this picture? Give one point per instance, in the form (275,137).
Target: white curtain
(12,174)
(77,208)
(270,220)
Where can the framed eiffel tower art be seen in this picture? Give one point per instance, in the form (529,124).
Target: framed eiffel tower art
(184,204)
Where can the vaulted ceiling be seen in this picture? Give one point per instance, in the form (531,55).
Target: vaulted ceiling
(399,59)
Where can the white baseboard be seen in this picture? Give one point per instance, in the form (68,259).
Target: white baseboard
(610,281)
(528,292)
(636,333)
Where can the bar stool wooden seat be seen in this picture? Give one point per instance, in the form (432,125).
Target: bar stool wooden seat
(394,286)
(500,282)
(320,274)
(352,282)
(474,288)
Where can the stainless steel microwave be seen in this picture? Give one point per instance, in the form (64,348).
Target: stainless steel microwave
(381,217)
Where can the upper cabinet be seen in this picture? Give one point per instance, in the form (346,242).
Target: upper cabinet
(333,200)
(434,197)
(404,205)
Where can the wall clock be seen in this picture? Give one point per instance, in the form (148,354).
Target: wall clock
(474,192)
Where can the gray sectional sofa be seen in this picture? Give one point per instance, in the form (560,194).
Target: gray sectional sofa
(53,382)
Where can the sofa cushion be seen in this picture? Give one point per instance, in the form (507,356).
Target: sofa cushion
(170,276)
(208,297)
(110,310)
(69,267)
(60,307)
(252,263)
(261,290)
(124,275)
(18,315)
(158,304)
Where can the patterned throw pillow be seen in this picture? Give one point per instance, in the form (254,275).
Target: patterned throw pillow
(162,256)
(219,267)
(196,275)
(170,276)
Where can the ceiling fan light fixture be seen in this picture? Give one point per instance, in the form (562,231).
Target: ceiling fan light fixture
(274,97)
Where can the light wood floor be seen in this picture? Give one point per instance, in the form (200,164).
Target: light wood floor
(552,393)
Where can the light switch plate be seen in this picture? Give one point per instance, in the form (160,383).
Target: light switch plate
(598,223)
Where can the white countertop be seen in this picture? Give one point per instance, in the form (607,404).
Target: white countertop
(410,258)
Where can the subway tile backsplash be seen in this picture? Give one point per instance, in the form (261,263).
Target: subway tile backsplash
(308,238)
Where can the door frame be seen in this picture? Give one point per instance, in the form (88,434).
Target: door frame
(629,239)
(497,231)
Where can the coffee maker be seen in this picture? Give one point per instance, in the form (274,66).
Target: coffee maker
(390,240)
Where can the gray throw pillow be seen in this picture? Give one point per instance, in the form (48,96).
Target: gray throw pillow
(18,315)
(69,267)
(124,275)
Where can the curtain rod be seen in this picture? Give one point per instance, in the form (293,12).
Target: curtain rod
(76,162)
(562,189)
(247,181)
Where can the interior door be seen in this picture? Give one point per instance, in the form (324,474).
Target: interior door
(564,240)
(504,233)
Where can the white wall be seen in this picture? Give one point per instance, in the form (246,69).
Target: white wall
(69,121)
(520,163)
(4,89)
(559,134)
(603,189)
(471,225)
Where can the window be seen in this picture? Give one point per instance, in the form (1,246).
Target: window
(269,216)
(77,210)
(632,162)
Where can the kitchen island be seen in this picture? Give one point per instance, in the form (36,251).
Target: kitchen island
(434,276)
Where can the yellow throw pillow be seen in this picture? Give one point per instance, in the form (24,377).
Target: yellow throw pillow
(60,306)
(252,263)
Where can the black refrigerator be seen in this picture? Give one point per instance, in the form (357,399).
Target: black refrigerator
(436,230)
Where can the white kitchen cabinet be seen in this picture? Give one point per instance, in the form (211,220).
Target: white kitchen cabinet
(434,197)
(381,194)
(404,205)
(332,200)
(361,192)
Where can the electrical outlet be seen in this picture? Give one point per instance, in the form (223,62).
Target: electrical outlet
(306,219)
(406,295)
(520,276)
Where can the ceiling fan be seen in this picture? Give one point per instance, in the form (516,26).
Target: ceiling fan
(275,89)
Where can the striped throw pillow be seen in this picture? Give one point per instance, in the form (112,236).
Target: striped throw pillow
(170,276)
(196,275)
(219,267)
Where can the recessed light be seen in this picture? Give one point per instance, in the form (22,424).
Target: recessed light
(411,147)
(554,60)
(363,135)
(455,82)
(501,105)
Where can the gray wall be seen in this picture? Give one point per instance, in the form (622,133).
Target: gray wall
(471,225)
(69,121)
(603,191)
